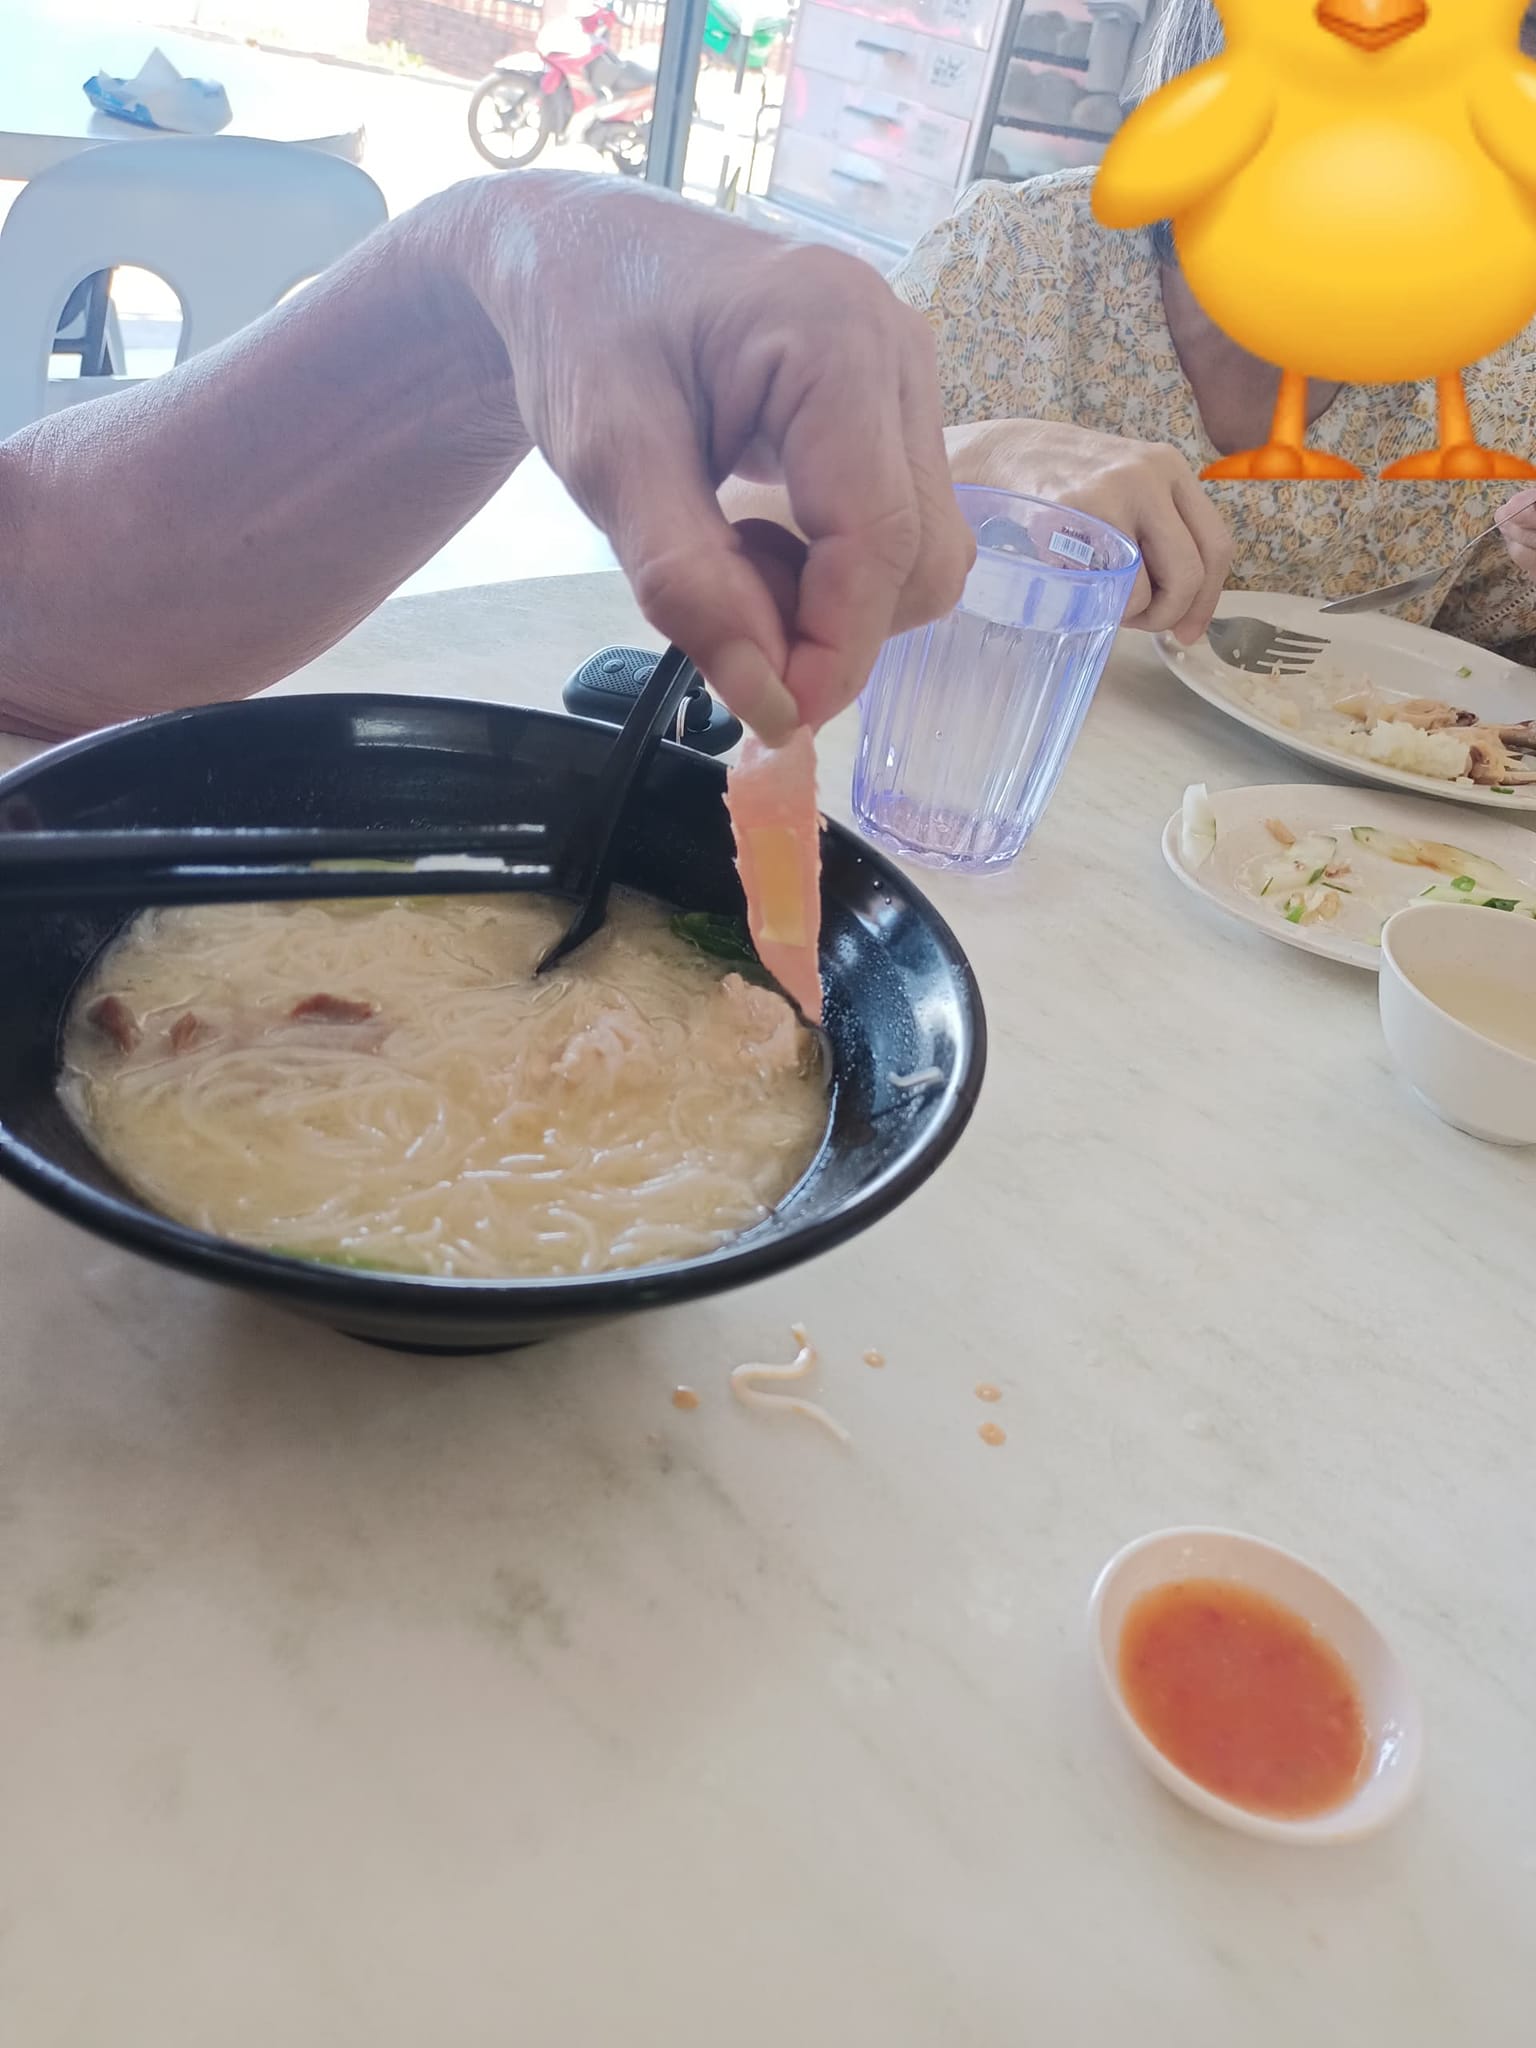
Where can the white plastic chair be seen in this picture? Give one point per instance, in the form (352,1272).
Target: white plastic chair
(230,224)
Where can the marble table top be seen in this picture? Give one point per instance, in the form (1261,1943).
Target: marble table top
(353,1698)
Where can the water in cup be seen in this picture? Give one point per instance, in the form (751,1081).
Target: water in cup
(965,725)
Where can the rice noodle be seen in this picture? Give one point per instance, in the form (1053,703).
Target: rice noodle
(926,1077)
(796,1404)
(477,1123)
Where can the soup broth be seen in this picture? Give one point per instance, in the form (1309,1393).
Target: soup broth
(388,1085)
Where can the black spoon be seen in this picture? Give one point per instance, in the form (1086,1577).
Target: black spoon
(589,874)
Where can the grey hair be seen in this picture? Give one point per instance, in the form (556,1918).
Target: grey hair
(1185,33)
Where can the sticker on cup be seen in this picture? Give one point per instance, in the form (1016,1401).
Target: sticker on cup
(1082,553)
(1041,536)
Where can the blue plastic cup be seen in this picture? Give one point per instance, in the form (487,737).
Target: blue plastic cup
(966,725)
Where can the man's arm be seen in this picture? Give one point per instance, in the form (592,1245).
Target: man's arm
(207,532)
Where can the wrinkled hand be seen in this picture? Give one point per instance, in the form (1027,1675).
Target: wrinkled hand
(1144,488)
(1517,523)
(656,348)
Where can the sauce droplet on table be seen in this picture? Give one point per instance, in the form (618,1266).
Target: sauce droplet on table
(874,1358)
(992,1433)
(684,1397)
(987,1392)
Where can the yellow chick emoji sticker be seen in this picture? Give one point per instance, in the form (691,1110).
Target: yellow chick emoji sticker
(1352,188)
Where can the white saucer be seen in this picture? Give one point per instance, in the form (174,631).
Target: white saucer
(1380,887)
(1394,1729)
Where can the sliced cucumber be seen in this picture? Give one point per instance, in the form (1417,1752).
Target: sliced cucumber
(1197,826)
(1479,897)
(1391,845)
(1303,864)
(1455,860)
(1435,855)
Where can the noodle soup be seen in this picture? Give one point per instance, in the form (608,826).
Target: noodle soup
(387,1085)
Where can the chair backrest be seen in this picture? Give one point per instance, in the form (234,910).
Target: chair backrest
(230,224)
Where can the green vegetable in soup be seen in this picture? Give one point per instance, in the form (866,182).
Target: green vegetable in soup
(722,938)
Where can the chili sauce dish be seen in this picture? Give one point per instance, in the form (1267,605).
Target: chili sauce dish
(1253,1688)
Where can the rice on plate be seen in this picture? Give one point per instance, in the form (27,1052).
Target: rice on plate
(1383,701)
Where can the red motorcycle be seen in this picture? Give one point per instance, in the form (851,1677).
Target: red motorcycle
(592,95)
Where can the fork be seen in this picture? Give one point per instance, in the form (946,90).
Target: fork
(1260,649)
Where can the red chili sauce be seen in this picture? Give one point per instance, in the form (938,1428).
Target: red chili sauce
(1244,1697)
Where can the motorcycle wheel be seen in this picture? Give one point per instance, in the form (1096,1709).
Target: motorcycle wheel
(628,152)
(507,123)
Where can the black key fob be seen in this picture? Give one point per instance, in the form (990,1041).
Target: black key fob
(606,687)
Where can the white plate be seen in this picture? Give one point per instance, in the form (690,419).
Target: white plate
(1394,1730)
(1400,660)
(1227,874)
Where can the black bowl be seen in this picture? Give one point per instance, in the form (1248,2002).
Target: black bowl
(900,994)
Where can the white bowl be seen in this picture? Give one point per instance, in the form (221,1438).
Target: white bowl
(1469,1079)
(1394,1728)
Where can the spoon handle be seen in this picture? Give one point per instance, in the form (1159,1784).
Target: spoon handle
(589,873)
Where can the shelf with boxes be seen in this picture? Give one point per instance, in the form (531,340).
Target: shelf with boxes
(1065,128)
(1063,78)
(893,107)
(876,133)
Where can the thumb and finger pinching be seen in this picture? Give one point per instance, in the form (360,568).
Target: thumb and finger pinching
(699,584)
(1519,512)
(1516,521)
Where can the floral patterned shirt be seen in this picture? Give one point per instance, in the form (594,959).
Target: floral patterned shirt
(1042,314)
